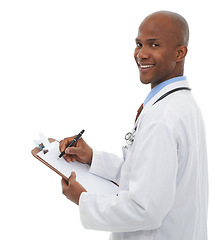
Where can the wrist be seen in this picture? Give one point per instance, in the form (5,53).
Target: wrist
(91,157)
(79,199)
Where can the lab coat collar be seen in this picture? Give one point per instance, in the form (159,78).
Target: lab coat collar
(169,87)
(160,86)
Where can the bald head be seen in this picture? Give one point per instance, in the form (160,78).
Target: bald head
(174,24)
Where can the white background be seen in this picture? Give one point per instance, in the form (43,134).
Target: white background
(68,65)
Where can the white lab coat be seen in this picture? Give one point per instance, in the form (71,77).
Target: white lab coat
(162,175)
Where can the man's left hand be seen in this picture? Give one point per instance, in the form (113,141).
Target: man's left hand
(72,189)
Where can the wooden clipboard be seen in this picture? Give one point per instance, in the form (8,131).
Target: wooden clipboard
(35,151)
(92,183)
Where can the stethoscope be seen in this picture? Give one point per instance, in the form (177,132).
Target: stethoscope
(129,137)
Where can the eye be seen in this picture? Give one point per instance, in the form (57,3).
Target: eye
(138,45)
(155,45)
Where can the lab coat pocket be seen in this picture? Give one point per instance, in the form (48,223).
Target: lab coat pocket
(126,151)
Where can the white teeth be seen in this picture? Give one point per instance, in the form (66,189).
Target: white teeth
(146,66)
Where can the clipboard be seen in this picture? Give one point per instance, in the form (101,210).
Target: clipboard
(92,183)
(35,151)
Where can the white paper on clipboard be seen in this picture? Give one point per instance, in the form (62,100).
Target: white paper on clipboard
(91,182)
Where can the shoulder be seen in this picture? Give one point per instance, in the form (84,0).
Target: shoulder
(171,112)
(174,107)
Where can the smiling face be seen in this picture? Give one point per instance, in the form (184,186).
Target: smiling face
(159,52)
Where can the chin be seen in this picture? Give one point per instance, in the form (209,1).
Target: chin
(145,81)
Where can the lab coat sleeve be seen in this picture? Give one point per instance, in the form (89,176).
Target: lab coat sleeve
(106,165)
(151,187)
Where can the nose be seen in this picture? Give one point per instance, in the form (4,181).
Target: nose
(142,53)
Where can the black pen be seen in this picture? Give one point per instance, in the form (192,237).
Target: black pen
(72,143)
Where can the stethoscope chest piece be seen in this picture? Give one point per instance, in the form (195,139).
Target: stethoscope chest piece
(129,137)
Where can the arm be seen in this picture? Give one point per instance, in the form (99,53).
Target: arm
(151,187)
(106,165)
(103,164)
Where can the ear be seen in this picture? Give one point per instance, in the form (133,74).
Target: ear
(181,52)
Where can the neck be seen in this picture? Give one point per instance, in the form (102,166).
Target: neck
(177,74)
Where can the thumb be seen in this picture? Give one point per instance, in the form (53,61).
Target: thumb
(72,177)
(72,150)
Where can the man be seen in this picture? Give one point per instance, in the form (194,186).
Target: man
(163,173)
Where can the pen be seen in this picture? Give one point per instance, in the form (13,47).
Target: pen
(72,143)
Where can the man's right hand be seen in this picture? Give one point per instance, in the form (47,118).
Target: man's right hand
(80,152)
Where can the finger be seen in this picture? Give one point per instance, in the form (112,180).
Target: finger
(60,144)
(68,158)
(64,182)
(64,144)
